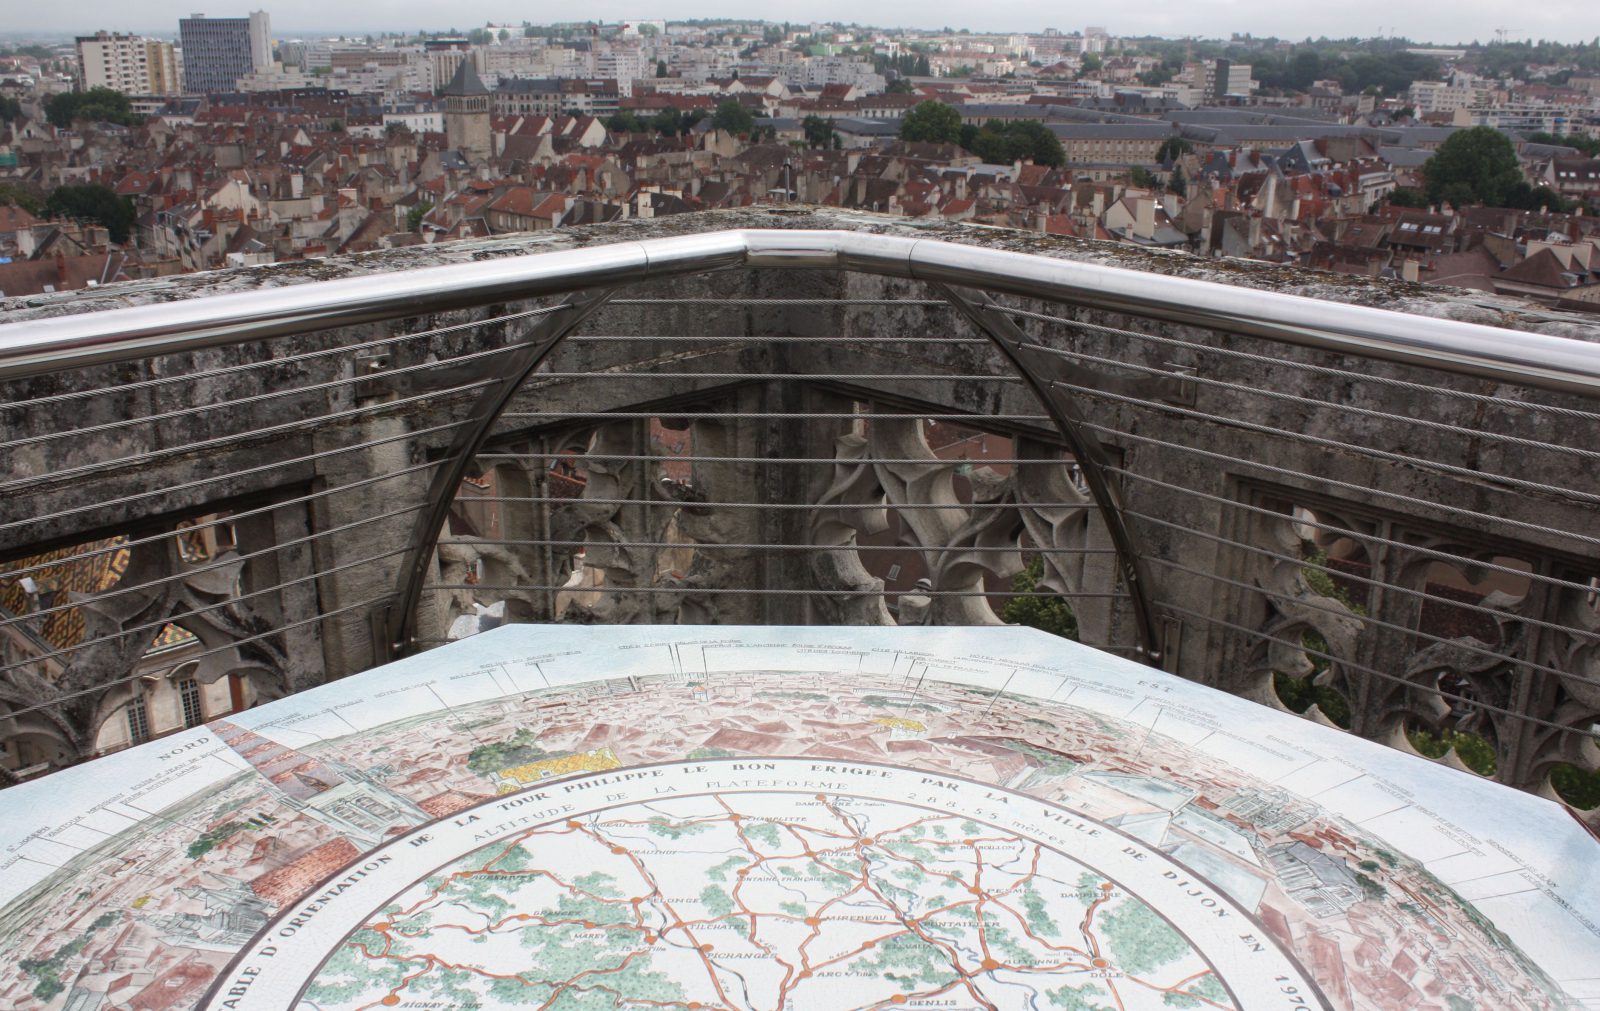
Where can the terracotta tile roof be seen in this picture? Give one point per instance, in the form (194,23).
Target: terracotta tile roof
(518,200)
(552,206)
(1059,224)
(288,883)
(178,987)
(13,218)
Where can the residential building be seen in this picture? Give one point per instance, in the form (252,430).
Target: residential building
(1574,177)
(278,78)
(129,64)
(444,56)
(219,51)
(1229,79)
(1218,79)
(1554,273)
(1429,98)
(1523,115)
(1111,143)
(524,97)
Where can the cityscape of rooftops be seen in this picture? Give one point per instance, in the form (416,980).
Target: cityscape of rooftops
(1308,274)
(225,141)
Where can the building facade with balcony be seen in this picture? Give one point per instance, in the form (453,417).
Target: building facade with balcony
(128,64)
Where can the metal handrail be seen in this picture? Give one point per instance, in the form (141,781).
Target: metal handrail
(40,346)
(1327,422)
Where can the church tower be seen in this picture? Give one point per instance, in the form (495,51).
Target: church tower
(466,114)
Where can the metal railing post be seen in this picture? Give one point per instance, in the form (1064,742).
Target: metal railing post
(400,626)
(1091,457)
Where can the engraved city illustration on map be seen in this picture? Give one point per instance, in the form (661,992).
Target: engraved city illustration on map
(784,818)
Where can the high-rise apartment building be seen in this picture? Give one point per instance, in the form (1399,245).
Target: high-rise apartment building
(219,51)
(444,58)
(130,64)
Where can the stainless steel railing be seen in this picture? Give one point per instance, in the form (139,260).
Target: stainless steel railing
(1382,519)
(1531,359)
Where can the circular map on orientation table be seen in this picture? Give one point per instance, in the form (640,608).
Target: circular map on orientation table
(781,819)
(900,889)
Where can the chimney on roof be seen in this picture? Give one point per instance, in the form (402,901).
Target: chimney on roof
(1144,217)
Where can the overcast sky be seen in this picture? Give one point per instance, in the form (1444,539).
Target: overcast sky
(1440,22)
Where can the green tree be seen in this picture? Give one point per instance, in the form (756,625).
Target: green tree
(1172,148)
(731,117)
(819,132)
(661,68)
(934,122)
(1578,787)
(1039,143)
(1048,614)
(1588,145)
(899,86)
(676,122)
(1391,73)
(625,121)
(1090,64)
(95,105)
(1405,196)
(999,143)
(1178,183)
(96,203)
(10,109)
(1297,694)
(518,749)
(21,196)
(1475,752)
(1524,197)
(1473,166)
(416,214)
(1141,177)
(1305,69)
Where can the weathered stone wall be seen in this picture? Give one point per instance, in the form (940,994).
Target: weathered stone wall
(1210,472)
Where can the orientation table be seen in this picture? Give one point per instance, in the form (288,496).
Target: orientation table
(568,817)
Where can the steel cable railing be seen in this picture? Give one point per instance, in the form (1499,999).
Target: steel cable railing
(1332,478)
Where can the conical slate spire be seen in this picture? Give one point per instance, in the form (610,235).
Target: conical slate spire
(465,82)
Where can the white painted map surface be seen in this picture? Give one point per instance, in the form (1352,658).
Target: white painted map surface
(564,817)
